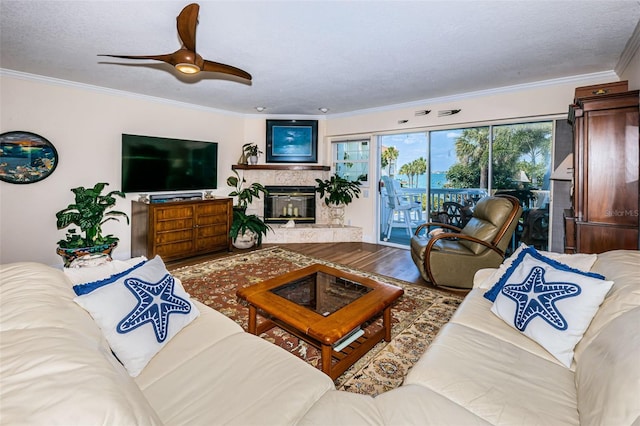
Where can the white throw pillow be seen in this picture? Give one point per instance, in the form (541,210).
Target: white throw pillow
(80,275)
(138,310)
(579,261)
(548,302)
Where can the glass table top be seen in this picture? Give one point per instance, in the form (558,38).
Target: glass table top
(321,292)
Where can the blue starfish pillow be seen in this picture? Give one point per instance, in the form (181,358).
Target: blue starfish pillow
(549,303)
(138,310)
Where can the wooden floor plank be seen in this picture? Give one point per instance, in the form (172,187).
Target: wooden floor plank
(389,261)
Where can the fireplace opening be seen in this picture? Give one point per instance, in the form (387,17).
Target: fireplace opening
(285,203)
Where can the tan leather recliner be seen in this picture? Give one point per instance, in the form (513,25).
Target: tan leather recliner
(452,258)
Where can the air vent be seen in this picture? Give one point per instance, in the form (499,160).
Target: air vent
(446,112)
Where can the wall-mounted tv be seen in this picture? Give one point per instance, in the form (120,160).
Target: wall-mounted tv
(151,164)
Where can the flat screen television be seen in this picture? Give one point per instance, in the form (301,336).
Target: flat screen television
(153,164)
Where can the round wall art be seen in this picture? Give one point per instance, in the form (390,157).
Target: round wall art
(26,157)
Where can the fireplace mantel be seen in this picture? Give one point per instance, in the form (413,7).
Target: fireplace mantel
(296,167)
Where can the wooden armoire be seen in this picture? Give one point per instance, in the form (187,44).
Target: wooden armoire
(605,203)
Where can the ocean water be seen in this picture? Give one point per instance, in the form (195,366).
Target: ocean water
(438,179)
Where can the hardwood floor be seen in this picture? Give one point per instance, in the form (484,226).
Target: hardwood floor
(389,261)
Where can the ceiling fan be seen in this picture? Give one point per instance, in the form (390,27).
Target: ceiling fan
(185,59)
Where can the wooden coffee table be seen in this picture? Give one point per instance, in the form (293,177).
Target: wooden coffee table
(325,307)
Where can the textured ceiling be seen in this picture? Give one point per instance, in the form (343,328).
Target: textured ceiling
(303,55)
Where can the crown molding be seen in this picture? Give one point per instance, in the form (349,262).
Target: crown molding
(578,80)
(108,91)
(631,49)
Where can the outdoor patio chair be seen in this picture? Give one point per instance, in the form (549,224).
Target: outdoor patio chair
(400,204)
(451,258)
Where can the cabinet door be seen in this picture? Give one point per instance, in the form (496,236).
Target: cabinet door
(174,231)
(211,226)
(611,192)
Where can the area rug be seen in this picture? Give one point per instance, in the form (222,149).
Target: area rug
(416,317)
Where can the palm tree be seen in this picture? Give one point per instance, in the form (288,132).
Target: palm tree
(472,148)
(389,156)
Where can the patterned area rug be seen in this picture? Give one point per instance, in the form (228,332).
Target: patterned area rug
(416,317)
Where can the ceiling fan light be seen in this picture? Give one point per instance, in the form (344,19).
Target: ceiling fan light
(187,68)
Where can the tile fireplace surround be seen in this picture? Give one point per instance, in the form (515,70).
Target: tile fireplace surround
(280,175)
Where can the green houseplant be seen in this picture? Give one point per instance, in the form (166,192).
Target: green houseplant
(337,192)
(251,151)
(245,194)
(247,229)
(89,212)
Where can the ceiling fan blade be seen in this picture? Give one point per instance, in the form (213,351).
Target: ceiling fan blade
(168,58)
(225,69)
(187,21)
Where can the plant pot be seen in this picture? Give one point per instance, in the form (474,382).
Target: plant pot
(253,159)
(336,214)
(70,254)
(246,240)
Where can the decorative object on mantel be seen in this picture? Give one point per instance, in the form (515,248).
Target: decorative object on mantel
(251,152)
(290,224)
(292,141)
(26,157)
(337,193)
(89,212)
(185,59)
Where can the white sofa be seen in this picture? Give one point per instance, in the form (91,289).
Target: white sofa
(56,368)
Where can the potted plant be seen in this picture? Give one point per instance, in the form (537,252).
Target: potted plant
(89,212)
(337,193)
(251,151)
(247,230)
(245,194)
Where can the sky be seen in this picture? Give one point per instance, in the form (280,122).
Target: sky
(414,145)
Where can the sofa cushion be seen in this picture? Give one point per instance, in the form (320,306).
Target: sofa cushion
(55,366)
(138,311)
(418,405)
(205,331)
(476,315)
(623,268)
(529,255)
(343,408)
(496,380)
(608,374)
(240,379)
(487,278)
(548,303)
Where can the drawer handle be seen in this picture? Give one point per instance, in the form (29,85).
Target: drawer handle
(600,92)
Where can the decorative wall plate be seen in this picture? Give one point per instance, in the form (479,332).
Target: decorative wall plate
(26,157)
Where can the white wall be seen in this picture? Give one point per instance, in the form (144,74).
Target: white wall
(632,72)
(85,126)
(546,99)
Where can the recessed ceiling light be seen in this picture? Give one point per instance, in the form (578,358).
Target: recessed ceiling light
(260,108)
(323,110)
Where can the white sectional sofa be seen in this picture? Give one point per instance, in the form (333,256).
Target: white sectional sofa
(57,368)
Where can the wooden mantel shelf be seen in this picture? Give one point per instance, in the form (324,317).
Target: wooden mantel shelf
(279,167)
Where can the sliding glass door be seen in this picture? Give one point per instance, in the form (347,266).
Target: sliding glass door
(403,185)
(440,176)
